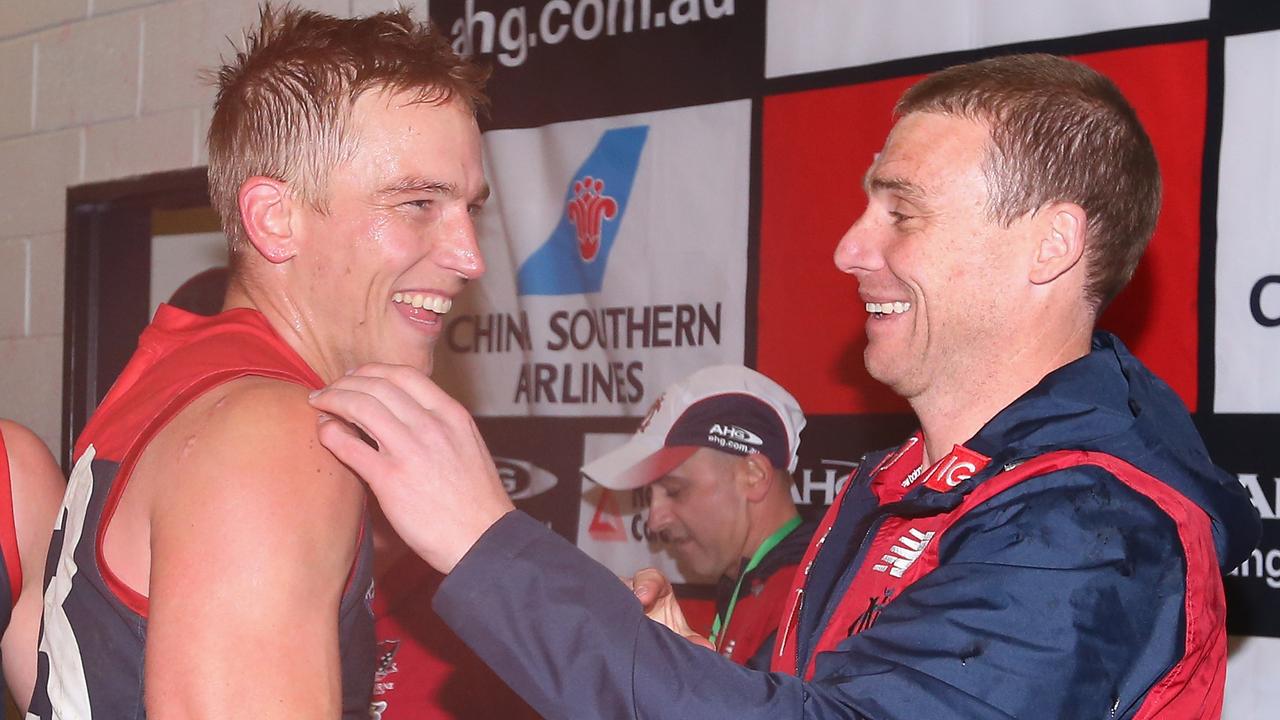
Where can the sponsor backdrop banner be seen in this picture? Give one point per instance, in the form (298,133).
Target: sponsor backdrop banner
(617,253)
(670,178)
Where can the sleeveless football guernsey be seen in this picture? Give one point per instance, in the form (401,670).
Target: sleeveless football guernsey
(94,629)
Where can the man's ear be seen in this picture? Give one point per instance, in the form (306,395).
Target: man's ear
(266,210)
(757,476)
(1060,245)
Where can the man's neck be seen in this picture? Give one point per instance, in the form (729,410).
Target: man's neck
(761,531)
(952,414)
(285,318)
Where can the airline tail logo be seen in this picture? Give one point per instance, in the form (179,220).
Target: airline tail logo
(588,210)
(573,259)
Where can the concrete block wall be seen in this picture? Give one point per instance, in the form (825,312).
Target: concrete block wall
(93,90)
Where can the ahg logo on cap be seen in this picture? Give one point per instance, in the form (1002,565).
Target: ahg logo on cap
(733,432)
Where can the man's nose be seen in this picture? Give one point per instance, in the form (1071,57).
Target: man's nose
(458,249)
(659,513)
(861,248)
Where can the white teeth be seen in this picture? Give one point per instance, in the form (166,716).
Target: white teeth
(434,303)
(889,308)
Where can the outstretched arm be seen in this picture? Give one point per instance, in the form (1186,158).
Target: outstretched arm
(1013,623)
(37,485)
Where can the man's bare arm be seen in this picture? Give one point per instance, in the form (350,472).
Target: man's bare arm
(252,541)
(37,487)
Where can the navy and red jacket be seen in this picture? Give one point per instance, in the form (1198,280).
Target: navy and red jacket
(1065,562)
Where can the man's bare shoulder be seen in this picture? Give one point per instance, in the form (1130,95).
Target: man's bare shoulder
(28,456)
(36,484)
(250,448)
(253,534)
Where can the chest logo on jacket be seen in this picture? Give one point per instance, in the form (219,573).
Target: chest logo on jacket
(906,551)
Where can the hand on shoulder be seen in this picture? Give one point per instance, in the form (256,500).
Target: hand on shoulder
(431,470)
(254,446)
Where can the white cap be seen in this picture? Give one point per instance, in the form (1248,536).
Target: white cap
(730,408)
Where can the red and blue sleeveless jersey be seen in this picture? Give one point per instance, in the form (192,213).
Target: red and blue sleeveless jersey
(94,629)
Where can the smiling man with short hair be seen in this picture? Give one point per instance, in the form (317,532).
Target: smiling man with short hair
(212,558)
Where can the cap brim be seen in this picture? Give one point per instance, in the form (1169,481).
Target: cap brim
(635,464)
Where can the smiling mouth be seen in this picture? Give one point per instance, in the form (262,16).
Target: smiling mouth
(888,308)
(437,304)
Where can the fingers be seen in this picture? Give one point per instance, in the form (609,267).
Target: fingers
(391,395)
(412,382)
(657,597)
(410,397)
(366,410)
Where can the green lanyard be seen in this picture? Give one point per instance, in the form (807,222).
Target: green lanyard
(769,543)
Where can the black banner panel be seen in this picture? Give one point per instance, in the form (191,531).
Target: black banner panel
(560,60)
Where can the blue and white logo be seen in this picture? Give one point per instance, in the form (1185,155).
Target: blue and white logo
(573,258)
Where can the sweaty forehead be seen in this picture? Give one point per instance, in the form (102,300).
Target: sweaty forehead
(926,151)
(394,138)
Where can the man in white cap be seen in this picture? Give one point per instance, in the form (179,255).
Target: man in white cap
(716,451)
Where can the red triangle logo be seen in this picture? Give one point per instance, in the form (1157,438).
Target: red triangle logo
(606,524)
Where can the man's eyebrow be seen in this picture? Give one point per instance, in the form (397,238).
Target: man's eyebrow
(422,184)
(419,184)
(906,188)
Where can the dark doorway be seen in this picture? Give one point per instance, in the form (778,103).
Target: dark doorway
(110,231)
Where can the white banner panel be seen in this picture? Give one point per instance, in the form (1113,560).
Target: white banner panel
(1247,303)
(813,35)
(617,253)
(611,524)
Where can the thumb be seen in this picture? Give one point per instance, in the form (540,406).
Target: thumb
(345,443)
